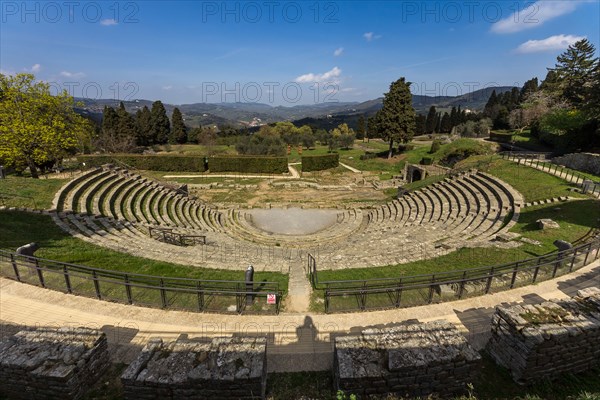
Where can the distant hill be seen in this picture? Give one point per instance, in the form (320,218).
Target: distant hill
(249,114)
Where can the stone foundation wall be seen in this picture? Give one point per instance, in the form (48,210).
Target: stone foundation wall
(225,368)
(586,162)
(548,339)
(52,364)
(410,360)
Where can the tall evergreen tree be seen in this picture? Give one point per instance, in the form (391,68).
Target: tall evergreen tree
(420,124)
(396,120)
(126,124)
(575,71)
(178,130)
(454,117)
(431,123)
(490,108)
(372,128)
(530,87)
(360,128)
(159,122)
(446,124)
(143,124)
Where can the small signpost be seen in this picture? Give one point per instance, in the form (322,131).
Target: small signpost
(271,298)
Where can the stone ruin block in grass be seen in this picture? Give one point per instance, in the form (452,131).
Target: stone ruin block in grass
(52,363)
(409,360)
(225,368)
(545,340)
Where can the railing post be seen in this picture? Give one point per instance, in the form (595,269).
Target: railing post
(462,285)
(514,275)
(399,293)
(430,300)
(200,296)
(363,296)
(39,273)
(15,268)
(163,294)
(537,270)
(587,254)
(488,285)
(96,285)
(128,289)
(573,257)
(326,295)
(67,279)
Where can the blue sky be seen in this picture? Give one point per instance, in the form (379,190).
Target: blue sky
(286,52)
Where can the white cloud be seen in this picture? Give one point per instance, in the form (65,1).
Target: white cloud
(370,36)
(534,15)
(108,22)
(34,68)
(68,74)
(553,43)
(338,52)
(168,87)
(329,76)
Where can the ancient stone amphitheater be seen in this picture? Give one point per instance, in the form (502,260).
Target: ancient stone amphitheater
(126,212)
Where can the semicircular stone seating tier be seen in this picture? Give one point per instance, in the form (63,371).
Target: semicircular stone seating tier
(116,208)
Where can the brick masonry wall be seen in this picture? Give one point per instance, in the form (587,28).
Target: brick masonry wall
(545,340)
(409,360)
(52,364)
(225,368)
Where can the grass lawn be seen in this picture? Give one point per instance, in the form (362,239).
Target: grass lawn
(575,218)
(493,383)
(20,191)
(15,230)
(530,182)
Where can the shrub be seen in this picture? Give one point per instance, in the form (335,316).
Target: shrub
(435,146)
(248,164)
(405,147)
(427,160)
(173,163)
(321,162)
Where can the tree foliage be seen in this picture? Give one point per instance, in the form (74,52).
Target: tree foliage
(179,132)
(160,127)
(35,126)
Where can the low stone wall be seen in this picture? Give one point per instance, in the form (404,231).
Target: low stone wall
(226,368)
(586,162)
(52,364)
(410,360)
(542,341)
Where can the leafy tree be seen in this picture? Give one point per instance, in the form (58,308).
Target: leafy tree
(344,136)
(321,135)
(179,130)
(431,122)
(396,120)
(361,128)
(143,122)
(307,137)
(482,127)
(36,127)
(160,127)
(435,146)
(266,141)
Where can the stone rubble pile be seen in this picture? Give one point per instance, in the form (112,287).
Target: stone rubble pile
(410,360)
(545,340)
(225,368)
(52,364)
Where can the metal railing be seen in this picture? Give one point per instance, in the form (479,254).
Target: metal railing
(167,235)
(409,291)
(568,174)
(197,295)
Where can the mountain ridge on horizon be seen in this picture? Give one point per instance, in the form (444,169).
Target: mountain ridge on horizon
(246,114)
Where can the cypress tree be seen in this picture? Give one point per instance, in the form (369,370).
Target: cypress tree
(396,120)
(431,123)
(159,122)
(179,130)
(144,127)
